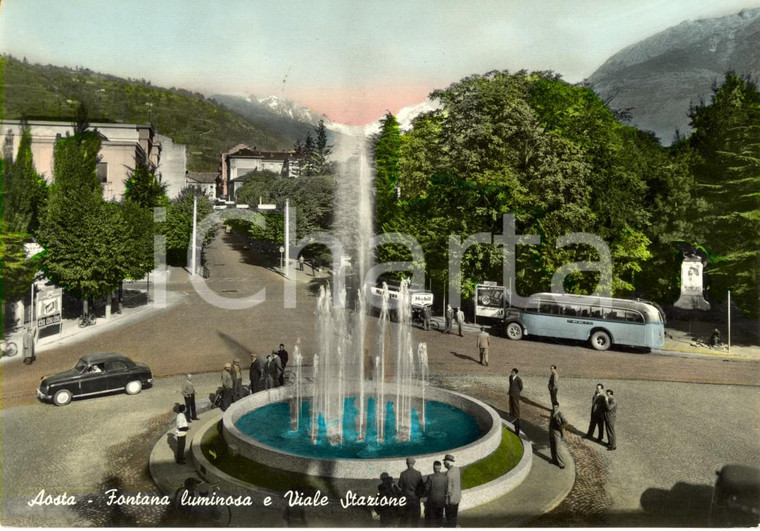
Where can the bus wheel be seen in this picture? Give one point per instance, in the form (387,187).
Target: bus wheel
(600,340)
(514,331)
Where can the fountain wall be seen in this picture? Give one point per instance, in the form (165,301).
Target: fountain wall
(487,419)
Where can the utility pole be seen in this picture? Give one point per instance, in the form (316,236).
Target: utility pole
(195,234)
(729,321)
(287,238)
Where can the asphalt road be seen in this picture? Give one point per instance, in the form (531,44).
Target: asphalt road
(679,417)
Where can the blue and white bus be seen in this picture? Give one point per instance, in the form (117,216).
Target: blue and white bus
(601,321)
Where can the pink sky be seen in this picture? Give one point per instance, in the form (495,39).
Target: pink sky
(363,105)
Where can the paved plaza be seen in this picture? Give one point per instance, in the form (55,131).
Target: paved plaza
(680,417)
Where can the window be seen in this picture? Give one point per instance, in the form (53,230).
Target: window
(102,172)
(634,317)
(117,365)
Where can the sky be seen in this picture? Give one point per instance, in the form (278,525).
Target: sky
(351,60)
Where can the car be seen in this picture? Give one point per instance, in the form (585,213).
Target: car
(736,497)
(95,374)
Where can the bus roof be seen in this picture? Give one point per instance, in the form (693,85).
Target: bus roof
(649,308)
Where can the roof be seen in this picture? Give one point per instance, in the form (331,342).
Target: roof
(243,151)
(202,176)
(102,356)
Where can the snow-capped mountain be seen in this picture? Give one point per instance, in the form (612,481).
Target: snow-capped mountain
(660,76)
(289,109)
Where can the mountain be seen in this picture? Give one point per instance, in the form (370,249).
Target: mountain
(38,92)
(659,77)
(291,120)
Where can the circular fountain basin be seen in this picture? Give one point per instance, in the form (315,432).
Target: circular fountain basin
(472,432)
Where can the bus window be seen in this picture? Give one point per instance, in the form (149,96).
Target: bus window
(532,306)
(584,312)
(634,317)
(611,315)
(547,307)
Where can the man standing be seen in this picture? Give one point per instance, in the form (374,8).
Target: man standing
(254,373)
(388,492)
(610,413)
(597,413)
(484,341)
(426,315)
(556,434)
(227,387)
(453,490)
(435,490)
(30,339)
(300,262)
(412,487)
(448,316)
(553,384)
(515,388)
(188,392)
(179,434)
(237,379)
(460,321)
(275,368)
(283,355)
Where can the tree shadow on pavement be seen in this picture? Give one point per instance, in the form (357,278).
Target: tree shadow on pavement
(465,357)
(684,505)
(238,350)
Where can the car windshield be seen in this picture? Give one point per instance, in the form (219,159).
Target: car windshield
(80,366)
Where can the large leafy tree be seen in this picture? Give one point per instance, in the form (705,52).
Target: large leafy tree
(726,139)
(550,153)
(82,236)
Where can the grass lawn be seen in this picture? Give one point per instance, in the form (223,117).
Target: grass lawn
(495,465)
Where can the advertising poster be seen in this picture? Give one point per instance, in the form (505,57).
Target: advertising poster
(560,197)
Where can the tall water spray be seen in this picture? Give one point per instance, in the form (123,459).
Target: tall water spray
(341,345)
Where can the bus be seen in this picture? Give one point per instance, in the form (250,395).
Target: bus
(602,321)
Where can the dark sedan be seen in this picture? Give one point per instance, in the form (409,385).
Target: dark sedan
(96,374)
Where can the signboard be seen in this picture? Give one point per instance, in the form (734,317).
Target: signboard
(490,300)
(417,298)
(49,308)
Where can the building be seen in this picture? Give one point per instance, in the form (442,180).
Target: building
(122,145)
(241,160)
(207,181)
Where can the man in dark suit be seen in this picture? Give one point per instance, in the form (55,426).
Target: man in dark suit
(556,434)
(553,384)
(597,413)
(515,388)
(412,487)
(254,373)
(610,412)
(435,490)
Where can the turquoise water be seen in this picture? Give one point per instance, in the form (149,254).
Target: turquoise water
(447,428)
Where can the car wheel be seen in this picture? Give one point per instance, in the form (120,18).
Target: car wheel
(514,331)
(600,340)
(62,397)
(134,387)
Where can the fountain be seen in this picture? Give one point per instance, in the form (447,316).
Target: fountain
(342,419)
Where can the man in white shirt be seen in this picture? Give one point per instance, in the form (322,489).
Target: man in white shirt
(180,434)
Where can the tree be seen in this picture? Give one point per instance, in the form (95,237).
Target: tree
(82,236)
(178,227)
(143,187)
(25,191)
(386,150)
(321,154)
(726,139)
